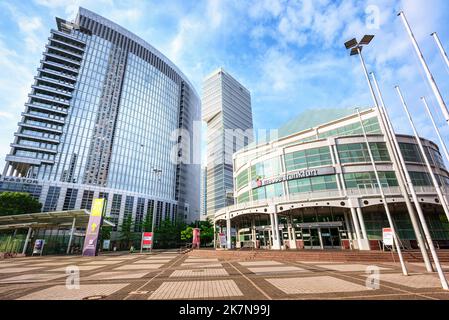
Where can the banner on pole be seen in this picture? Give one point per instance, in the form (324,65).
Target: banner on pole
(387,236)
(93,227)
(147,240)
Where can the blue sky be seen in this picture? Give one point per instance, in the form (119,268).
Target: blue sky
(289,54)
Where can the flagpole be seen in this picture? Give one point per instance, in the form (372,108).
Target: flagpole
(382,195)
(443,145)
(440,46)
(441,197)
(405,176)
(429,75)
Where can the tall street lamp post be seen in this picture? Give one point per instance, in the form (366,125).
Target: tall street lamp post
(356,49)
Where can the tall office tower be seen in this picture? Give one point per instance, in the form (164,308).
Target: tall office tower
(103,120)
(226,108)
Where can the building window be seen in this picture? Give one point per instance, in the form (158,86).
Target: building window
(150,209)
(367,180)
(320,183)
(410,152)
(267,168)
(139,215)
(70,199)
(158,213)
(103,195)
(358,152)
(52,199)
(115,210)
(270,191)
(86,201)
(242,179)
(309,158)
(244,197)
(129,205)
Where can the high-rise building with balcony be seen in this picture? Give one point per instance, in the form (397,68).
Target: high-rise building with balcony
(226,108)
(103,120)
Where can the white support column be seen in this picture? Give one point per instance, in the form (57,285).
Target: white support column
(27,239)
(253,232)
(362,222)
(228,233)
(364,240)
(355,222)
(72,230)
(237,237)
(275,228)
(320,238)
(293,234)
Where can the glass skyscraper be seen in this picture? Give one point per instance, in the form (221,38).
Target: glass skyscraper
(106,117)
(227,111)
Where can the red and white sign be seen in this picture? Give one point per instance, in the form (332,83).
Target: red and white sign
(147,240)
(387,236)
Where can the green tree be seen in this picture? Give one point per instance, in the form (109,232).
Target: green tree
(168,234)
(13,203)
(187,234)
(126,234)
(147,222)
(206,232)
(106,232)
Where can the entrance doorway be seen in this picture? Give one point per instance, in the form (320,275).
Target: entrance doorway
(321,238)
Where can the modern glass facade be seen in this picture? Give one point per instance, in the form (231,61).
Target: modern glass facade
(227,111)
(103,119)
(319,187)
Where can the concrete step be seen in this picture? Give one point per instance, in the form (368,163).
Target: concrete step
(316,255)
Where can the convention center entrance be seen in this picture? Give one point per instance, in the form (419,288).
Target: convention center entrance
(320,237)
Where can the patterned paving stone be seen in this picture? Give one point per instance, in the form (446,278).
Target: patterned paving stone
(152,261)
(50,264)
(260,263)
(18,270)
(151,266)
(81,268)
(315,285)
(122,258)
(201,265)
(199,273)
(319,262)
(102,262)
(62,293)
(259,270)
(33,277)
(413,280)
(201,260)
(9,265)
(197,289)
(115,275)
(349,267)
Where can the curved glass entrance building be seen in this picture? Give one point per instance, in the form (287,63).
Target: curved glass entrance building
(106,117)
(314,188)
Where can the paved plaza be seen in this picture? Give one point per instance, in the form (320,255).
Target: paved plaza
(169,275)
